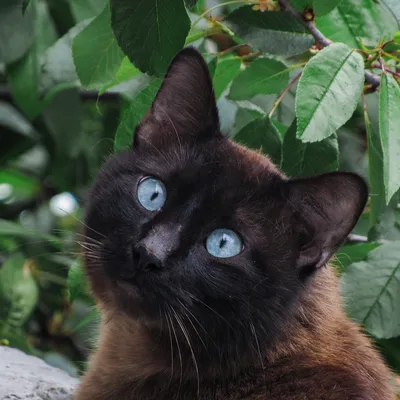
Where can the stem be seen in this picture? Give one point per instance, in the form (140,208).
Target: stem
(203,34)
(282,95)
(227,3)
(320,37)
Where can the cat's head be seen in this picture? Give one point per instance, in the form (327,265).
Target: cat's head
(189,226)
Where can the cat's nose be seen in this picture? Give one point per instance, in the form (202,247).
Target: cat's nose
(147,260)
(154,249)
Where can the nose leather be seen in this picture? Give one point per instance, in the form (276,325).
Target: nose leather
(154,249)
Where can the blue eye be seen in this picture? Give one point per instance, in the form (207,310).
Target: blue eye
(151,194)
(224,243)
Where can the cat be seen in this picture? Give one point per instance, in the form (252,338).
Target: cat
(210,267)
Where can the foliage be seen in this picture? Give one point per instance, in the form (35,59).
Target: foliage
(312,83)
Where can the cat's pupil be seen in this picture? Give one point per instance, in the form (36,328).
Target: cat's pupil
(222,243)
(154,195)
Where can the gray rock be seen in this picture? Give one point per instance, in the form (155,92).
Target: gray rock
(24,377)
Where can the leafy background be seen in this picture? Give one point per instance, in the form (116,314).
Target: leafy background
(312,83)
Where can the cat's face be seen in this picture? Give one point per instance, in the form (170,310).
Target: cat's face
(191,226)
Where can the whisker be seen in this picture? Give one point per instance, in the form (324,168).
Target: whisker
(87,226)
(185,333)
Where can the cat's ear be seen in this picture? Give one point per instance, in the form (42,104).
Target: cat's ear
(185,104)
(326,209)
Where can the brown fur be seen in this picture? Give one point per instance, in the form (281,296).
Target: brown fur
(323,354)
(318,355)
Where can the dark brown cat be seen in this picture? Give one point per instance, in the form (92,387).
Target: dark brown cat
(210,267)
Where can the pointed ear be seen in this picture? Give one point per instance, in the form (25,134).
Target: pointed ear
(185,104)
(326,208)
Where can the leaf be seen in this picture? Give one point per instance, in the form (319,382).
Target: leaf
(96,54)
(270,32)
(77,283)
(16,134)
(351,253)
(389,122)
(8,228)
(328,92)
(355,20)
(134,114)
(21,186)
(394,7)
(262,76)
(23,75)
(246,113)
(375,171)
(306,159)
(60,124)
(126,71)
(261,134)
(84,9)
(372,291)
(18,292)
(190,3)
(25,4)
(16,31)
(227,68)
(320,7)
(58,65)
(150,32)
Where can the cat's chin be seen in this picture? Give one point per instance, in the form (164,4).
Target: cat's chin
(134,302)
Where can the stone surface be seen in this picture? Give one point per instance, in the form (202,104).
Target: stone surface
(24,377)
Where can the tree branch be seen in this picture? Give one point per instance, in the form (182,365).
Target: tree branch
(374,80)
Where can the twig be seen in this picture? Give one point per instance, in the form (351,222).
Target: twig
(385,69)
(320,37)
(282,95)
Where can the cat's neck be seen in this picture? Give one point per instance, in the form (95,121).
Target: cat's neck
(127,349)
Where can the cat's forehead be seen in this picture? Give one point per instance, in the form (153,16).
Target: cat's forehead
(223,158)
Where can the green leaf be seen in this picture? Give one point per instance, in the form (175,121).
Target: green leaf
(8,228)
(270,32)
(23,75)
(21,186)
(261,134)
(246,113)
(394,8)
(375,171)
(372,291)
(126,71)
(355,20)
(134,114)
(190,3)
(306,159)
(17,135)
(96,53)
(25,4)
(328,92)
(227,68)
(58,65)
(77,282)
(351,253)
(18,293)
(389,122)
(16,31)
(262,76)
(320,7)
(60,124)
(84,9)
(150,32)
